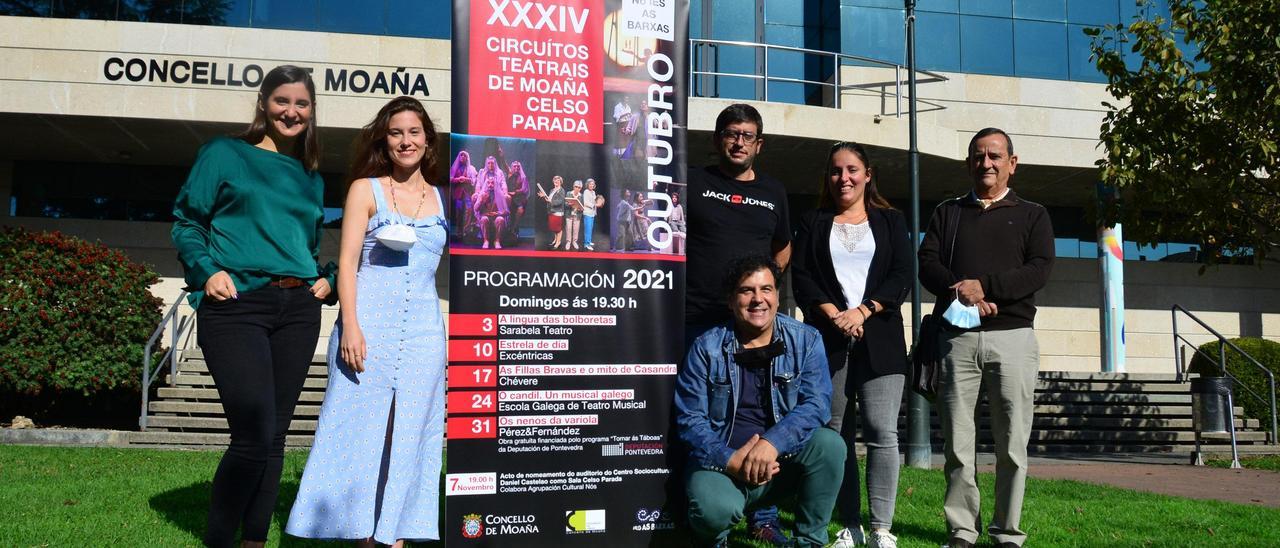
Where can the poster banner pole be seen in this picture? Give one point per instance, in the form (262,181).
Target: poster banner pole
(567,166)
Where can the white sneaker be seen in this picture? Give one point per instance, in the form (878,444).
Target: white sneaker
(881,538)
(848,538)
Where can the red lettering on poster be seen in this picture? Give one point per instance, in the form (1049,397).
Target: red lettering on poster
(537,69)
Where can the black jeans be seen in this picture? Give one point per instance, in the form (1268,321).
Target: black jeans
(258,348)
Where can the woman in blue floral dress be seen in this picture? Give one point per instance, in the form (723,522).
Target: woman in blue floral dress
(374,470)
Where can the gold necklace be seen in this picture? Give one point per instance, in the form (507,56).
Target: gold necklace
(396,206)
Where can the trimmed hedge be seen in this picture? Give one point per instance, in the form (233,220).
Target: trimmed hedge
(1266,352)
(74,315)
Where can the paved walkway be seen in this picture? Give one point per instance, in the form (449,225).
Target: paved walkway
(1166,474)
(1258,487)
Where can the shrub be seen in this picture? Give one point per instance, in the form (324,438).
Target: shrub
(1266,352)
(74,315)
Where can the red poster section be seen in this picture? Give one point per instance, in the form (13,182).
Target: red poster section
(536,69)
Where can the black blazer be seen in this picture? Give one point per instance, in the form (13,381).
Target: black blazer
(882,348)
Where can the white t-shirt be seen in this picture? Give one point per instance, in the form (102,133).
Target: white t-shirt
(852,247)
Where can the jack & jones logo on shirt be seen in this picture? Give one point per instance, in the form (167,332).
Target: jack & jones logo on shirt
(737,199)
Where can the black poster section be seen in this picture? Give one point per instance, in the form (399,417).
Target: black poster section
(566,269)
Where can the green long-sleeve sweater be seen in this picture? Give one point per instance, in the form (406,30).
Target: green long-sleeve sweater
(254,213)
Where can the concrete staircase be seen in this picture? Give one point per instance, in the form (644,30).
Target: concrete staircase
(1085,413)
(186,411)
(1075,413)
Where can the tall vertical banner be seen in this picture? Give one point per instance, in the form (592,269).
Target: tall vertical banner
(566,269)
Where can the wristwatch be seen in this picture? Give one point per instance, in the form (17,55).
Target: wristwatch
(870,304)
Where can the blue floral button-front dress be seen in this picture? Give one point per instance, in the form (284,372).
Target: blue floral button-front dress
(358,483)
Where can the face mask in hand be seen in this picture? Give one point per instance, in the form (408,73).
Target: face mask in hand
(964,317)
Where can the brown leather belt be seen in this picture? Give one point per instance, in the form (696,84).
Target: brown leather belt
(288,282)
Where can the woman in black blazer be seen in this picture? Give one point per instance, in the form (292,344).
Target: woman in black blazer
(852,267)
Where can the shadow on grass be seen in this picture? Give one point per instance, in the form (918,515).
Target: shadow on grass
(187,507)
(934,535)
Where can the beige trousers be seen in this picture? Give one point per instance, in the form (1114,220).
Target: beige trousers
(1004,364)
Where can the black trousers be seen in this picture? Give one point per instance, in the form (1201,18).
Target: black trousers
(258,348)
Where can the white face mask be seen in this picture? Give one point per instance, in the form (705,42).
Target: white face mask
(397,237)
(964,317)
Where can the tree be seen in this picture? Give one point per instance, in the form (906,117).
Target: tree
(1191,145)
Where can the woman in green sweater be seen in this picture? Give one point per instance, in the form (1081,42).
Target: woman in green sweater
(248,229)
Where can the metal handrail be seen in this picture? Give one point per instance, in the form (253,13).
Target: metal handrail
(1223,344)
(839,60)
(177,324)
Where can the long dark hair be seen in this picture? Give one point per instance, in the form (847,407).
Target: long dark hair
(306,148)
(372,159)
(870,196)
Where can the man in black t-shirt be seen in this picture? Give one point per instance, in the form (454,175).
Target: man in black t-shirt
(733,211)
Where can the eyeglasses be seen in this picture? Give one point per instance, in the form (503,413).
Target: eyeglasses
(747,137)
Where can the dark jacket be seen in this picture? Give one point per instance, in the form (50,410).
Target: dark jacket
(882,347)
(1007,247)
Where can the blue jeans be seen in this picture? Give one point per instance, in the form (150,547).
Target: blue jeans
(588,227)
(878,401)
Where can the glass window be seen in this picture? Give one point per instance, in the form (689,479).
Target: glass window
(285,14)
(695,18)
(352,17)
(784,12)
(84,10)
(890,4)
(732,21)
(1040,49)
(1043,10)
(420,18)
(32,8)
(1130,10)
(786,64)
(64,190)
(1080,67)
(1094,12)
(150,11)
(986,45)
(1130,250)
(943,34)
(939,6)
(988,8)
(1088,249)
(727,59)
(1159,8)
(216,12)
(873,32)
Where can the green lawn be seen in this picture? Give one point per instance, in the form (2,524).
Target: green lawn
(135,497)
(1260,462)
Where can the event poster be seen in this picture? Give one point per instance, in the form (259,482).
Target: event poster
(567,159)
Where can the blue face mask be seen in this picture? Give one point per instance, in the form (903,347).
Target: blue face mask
(961,316)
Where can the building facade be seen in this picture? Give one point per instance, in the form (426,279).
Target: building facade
(104,106)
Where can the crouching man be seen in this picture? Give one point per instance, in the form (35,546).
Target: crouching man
(750,405)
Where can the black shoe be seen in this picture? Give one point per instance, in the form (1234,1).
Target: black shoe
(772,535)
(958,543)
